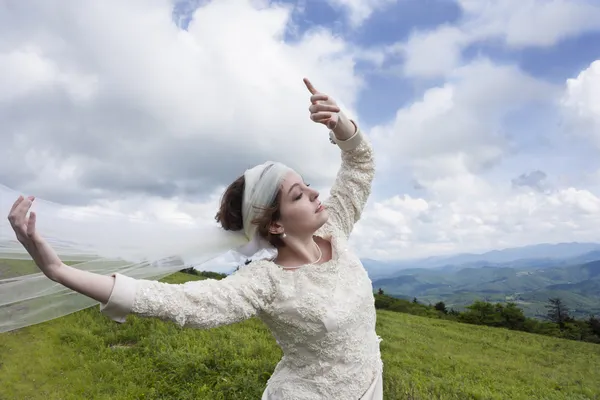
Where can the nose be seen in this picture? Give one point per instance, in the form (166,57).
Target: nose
(314,194)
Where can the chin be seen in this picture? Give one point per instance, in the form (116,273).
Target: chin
(322,218)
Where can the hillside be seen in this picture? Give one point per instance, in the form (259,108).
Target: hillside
(577,284)
(85,355)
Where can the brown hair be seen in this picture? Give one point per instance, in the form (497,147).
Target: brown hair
(231,218)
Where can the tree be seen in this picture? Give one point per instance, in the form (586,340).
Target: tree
(594,324)
(513,316)
(441,306)
(482,313)
(380,291)
(190,270)
(415,300)
(557,312)
(212,275)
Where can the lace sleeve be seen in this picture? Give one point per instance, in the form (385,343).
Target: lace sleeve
(200,304)
(352,187)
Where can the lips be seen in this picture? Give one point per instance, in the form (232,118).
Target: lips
(320,208)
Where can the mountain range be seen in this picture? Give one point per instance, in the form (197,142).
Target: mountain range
(526,275)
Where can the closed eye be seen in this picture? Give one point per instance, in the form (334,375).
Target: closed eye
(299,195)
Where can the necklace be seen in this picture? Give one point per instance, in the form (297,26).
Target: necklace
(314,262)
(320,254)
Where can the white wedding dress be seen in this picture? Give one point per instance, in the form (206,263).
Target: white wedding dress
(322,316)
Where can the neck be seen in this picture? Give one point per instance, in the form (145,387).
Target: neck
(298,251)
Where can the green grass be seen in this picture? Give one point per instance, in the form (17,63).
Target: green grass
(13,268)
(87,356)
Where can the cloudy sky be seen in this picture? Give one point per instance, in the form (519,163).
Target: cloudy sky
(485,114)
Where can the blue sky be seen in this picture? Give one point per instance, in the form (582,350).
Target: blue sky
(387,88)
(395,23)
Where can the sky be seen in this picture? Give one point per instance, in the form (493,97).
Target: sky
(484,114)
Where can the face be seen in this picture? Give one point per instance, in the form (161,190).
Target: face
(300,208)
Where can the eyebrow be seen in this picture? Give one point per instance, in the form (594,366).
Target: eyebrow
(293,186)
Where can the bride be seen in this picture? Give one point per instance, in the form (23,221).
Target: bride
(314,294)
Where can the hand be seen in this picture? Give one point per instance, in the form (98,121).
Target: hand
(323,109)
(42,254)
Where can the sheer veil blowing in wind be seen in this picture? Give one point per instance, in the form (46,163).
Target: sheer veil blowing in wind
(100,241)
(107,242)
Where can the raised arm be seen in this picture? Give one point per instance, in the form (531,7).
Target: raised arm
(199,304)
(352,187)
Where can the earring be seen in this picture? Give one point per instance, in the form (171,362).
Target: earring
(283,235)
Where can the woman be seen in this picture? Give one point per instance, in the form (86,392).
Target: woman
(314,294)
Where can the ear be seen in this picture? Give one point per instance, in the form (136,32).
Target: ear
(276,228)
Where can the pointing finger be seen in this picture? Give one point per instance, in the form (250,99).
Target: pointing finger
(310,86)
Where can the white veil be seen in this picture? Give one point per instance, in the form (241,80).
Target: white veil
(106,242)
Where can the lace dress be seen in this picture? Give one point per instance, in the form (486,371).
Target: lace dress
(322,316)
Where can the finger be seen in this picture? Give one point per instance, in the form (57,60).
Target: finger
(318,97)
(320,117)
(323,107)
(310,86)
(21,210)
(31,224)
(16,203)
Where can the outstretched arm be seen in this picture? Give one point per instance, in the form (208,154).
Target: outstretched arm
(201,304)
(96,286)
(352,187)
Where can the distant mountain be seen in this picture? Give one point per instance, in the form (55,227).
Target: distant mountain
(535,252)
(534,256)
(381,269)
(584,258)
(577,284)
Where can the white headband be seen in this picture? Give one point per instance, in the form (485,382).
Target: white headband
(261,186)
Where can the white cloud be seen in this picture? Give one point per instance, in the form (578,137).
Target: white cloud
(433,53)
(457,128)
(360,10)
(151,120)
(448,138)
(582,103)
(404,227)
(516,23)
(522,23)
(145,107)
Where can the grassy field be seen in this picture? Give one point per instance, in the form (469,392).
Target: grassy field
(87,356)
